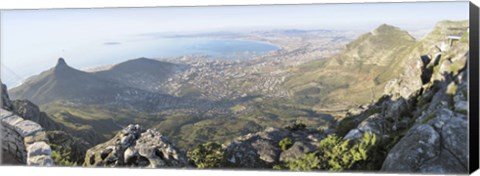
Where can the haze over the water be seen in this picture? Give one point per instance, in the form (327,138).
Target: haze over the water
(32,40)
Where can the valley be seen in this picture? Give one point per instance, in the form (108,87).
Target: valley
(193,99)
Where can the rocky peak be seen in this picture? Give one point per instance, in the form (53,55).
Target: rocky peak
(61,63)
(62,68)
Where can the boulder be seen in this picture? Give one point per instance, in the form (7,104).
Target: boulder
(136,147)
(27,127)
(420,144)
(41,160)
(438,144)
(38,148)
(455,139)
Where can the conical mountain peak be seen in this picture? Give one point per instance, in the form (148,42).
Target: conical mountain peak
(61,63)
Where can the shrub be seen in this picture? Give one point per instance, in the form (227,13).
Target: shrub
(62,158)
(285,143)
(208,155)
(335,154)
(306,163)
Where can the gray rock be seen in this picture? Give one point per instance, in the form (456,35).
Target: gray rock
(158,150)
(41,160)
(397,109)
(455,138)
(5,100)
(441,117)
(353,134)
(445,163)
(420,144)
(409,82)
(137,147)
(4,113)
(27,127)
(38,148)
(375,123)
(461,105)
(29,111)
(440,100)
(12,120)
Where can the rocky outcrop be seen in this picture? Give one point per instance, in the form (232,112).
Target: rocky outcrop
(437,141)
(426,147)
(5,100)
(30,111)
(409,82)
(25,140)
(422,117)
(262,149)
(136,147)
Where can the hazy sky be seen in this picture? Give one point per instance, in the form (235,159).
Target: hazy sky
(32,40)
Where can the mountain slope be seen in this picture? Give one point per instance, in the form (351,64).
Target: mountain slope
(153,73)
(356,75)
(63,82)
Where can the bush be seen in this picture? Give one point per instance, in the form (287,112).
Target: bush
(285,143)
(340,155)
(335,154)
(208,155)
(306,163)
(62,158)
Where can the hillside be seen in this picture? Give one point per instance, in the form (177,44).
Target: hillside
(358,74)
(153,73)
(63,82)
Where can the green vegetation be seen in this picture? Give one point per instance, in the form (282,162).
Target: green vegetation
(208,155)
(340,155)
(61,156)
(285,143)
(335,154)
(308,162)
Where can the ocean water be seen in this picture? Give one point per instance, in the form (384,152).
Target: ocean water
(107,52)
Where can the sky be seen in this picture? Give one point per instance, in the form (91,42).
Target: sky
(32,40)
